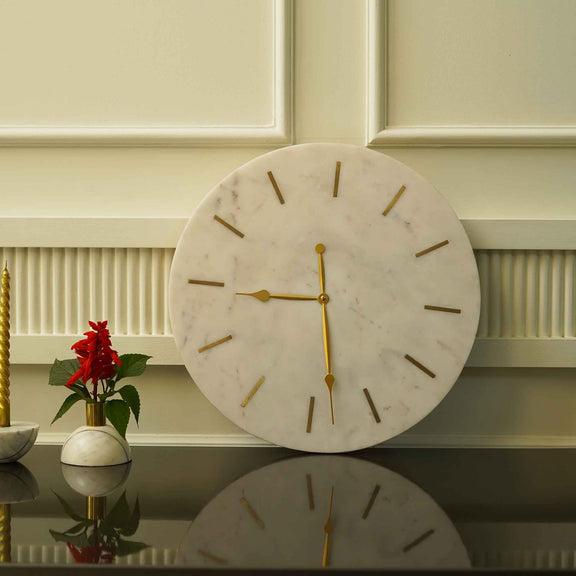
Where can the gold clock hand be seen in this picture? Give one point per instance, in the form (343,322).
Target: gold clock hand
(264,296)
(328,529)
(324,299)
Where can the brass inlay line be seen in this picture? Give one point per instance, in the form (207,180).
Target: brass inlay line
(310,414)
(337,179)
(442,309)
(276,188)
(372,407)
(253,513)
(229,226)
(209,556)
(418,540)
(371,502)
(252,392)
(393,201)
(310,492)
(221,341)
(205,282)
(421,366)
(432,248)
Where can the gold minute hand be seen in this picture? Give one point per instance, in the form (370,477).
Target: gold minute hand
(328,529)
(264,296)
(324,299)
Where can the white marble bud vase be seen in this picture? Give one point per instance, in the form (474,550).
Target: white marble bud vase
(97,443)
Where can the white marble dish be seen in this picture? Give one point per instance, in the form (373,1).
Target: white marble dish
(404,297)
(16,440)
(95,446)
(17,484)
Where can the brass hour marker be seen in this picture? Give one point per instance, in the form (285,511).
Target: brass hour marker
(393,201)
(276,189)
(221,341)
(229,226)
(418,540)
(310,414)
(418,365)
(372,407)
(205,282)
(432,248)
(310,492)
(442,309)
(371,502)
(252,392)
(209,556)
(253,513)
(337,179)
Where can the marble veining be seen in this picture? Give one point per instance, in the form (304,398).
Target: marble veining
(95,446)
(378,290)
(16,440)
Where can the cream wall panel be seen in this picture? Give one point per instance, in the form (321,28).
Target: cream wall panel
(145,72)
(465,73)
(490,63)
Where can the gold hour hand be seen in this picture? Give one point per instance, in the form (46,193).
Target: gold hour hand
(327,531)
(264,296)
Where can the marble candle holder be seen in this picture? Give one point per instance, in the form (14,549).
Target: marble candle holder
(16,440)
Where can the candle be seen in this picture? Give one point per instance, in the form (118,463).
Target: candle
(5,348)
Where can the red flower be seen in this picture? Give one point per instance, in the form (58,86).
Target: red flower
(95,355)
(91,554)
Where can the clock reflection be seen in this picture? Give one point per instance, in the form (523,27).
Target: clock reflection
(323,511)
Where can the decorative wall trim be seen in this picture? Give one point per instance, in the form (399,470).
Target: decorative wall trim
(484,234)
(121,272)
(378,133)
(402,441)
(279,133)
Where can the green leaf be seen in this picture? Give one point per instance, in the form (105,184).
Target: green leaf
(62,370)
(118,412)
(68,509)
(132,398)
(81,526)
(132,525)
(132,365)
(120,514)
(66,405)
(81,391)
(126,547)
(79,541)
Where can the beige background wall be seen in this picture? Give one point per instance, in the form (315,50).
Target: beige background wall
(133,110)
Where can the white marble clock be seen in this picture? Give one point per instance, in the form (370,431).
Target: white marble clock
(323,511)
(324,297)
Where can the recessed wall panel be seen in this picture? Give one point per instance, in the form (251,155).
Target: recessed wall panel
(495,63)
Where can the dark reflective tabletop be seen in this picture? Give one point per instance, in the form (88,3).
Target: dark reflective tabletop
(214,509)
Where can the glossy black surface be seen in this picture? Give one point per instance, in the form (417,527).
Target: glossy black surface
(512,509)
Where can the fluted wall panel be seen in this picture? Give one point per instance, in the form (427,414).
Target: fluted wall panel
(525,293)
(55,291)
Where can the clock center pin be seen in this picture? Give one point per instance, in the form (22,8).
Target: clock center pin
(323,298)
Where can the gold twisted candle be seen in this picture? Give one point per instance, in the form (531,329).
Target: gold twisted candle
(5,534)
(5,348)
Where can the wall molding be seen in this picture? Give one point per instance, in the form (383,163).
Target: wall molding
(278,133)
(484,233)
(406,440)
(379,134)
(121,272)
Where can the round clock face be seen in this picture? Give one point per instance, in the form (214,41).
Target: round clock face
(324,297)
(323,511)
